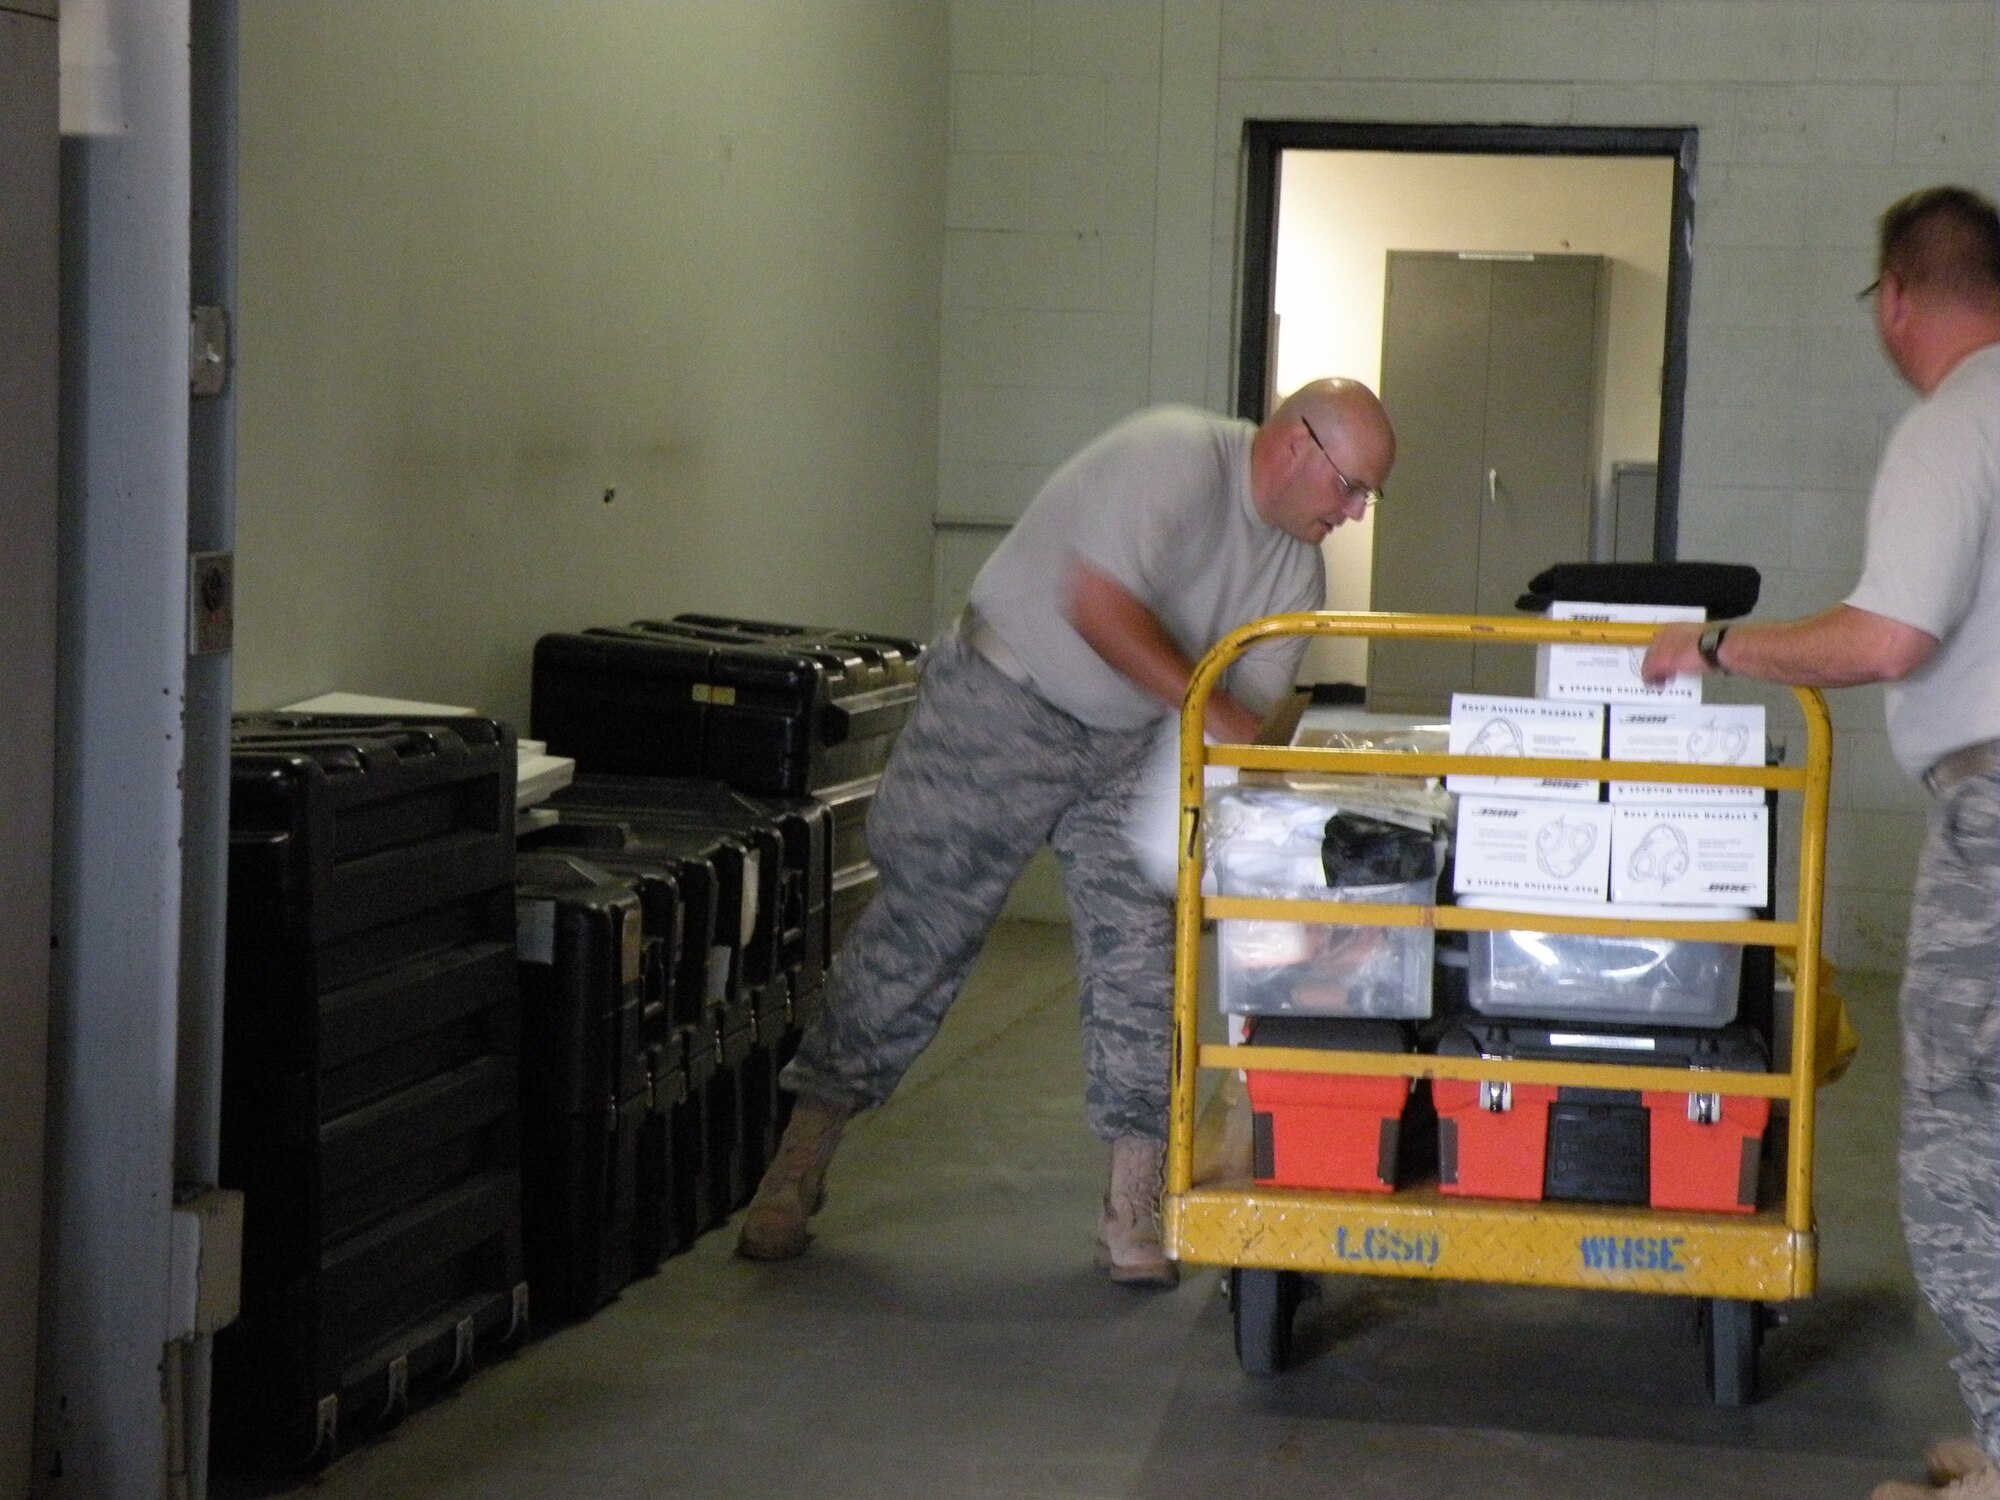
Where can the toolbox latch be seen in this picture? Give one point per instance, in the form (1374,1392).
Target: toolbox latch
(1496,1098)
(463,1334)
(1704,1109)
(326,1427)
(396,1398)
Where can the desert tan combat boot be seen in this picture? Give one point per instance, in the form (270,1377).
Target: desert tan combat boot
(1128,1235)
(1959,1470)
(794,1186)
(1954,1458)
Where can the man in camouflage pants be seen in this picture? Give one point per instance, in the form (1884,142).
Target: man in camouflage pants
(1033,717)
(1925,618)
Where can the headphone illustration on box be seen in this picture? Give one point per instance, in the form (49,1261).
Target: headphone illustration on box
(1661,858)
(1561,847)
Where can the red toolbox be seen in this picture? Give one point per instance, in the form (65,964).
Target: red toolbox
(1327,1130)
(1671,1148)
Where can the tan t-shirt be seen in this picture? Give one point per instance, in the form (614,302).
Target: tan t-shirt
(1162,504)
(1933,561)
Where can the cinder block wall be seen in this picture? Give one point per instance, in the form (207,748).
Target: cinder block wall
(1094,218)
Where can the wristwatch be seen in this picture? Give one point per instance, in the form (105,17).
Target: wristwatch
(1709,647)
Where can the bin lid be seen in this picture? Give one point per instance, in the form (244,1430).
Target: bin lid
(1636,911)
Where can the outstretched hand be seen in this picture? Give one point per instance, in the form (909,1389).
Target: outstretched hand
(1229,722)
(1674,652)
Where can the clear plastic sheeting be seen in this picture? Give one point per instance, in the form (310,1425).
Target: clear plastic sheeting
(1583,977)
(1392,796)
(1299,845)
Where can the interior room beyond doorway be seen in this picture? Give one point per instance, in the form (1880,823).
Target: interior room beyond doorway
(1340,213)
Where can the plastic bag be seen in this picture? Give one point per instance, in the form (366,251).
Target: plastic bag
(1153,817)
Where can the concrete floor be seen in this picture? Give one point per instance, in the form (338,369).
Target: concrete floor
(947,1338)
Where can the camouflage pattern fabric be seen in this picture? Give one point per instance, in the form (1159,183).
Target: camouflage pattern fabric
(1950,1147)
(985,773)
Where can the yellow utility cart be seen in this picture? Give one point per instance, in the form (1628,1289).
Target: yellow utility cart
(1270,1239)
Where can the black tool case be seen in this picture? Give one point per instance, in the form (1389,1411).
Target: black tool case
(767,714)
(371,1095)
(585,1081)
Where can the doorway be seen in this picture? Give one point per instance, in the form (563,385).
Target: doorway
(1330,207)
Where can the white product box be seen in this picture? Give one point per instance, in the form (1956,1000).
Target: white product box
(1710,734)
(1686,856)
(1510,846)
(1610,674)
(368,703)
(1483,725)
(1644,980)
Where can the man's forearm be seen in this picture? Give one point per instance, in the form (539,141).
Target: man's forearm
(1838,647)
(1120,628)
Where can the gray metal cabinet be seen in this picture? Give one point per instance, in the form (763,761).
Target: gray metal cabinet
(1491,370)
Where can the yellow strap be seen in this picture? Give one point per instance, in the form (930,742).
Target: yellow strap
(1834,1042)
(1834,1038)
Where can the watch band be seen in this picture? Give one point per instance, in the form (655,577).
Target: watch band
(1709,647)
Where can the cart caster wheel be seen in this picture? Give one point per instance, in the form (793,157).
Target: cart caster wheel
(1262,1304)
(1732,1334)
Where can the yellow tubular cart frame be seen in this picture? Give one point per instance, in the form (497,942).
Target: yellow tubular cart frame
(1740,1261)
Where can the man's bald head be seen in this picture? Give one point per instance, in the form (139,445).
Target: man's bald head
(1349,408)
(1320,456)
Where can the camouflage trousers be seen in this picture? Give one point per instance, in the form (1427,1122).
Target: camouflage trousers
(1950,1149)
(984,774)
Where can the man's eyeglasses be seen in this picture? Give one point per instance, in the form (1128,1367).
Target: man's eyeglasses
(1869,290)
(1367,494)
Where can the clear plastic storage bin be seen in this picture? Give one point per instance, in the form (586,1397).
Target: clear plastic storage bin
(1289,844)
(1584,977)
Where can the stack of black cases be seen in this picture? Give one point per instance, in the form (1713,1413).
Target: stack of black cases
(752,963)
(769,709)
(371,1096)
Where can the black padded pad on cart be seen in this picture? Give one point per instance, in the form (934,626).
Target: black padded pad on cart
(1725,590)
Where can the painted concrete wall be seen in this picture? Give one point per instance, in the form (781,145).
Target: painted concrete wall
(563,315)
(1813,114)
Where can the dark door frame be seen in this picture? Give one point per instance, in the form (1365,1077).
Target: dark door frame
(1265,141)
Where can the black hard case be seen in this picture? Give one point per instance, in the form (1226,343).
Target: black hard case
(370,1099)
(386,1318)
(727,1030)
(793,836)
(889,658)
(357,829)
(691,894)
(586,1081)
(668,698)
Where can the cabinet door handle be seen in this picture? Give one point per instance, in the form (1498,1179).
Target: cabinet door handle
(1492,486)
